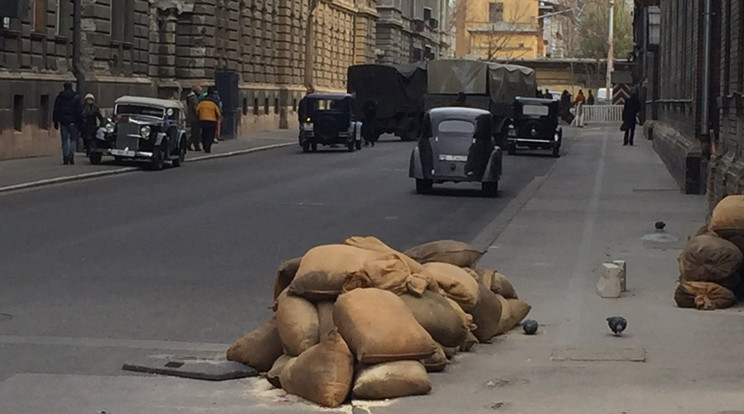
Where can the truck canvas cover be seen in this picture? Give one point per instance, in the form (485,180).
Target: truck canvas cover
(502,83)
(395,88)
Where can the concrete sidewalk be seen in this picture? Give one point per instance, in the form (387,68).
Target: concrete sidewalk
(32,172)
(595,206)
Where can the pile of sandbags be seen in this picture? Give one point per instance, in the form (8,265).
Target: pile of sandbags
(363,320)
(711,263)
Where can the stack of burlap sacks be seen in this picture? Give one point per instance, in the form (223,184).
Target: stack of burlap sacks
(362,320)
(711,263)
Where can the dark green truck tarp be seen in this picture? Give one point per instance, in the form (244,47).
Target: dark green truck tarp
(502,83)
(394,88)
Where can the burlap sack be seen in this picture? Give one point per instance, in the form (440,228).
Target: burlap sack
(391,272)
(276,370)
(323,374)
(466,318)
(709,258)
(324,269)
(497,282)
(258,349)
(284,275)
(435,314)
(325,318)
(445,251)
(703,230)
(703,295)
(513,311)
(468,343)
(391,380)
(456,283)
(487,315)
(450,352)
(379,327)
(437,362)
(298,323)
(727,220)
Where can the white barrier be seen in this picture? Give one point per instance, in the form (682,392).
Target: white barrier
(600,113)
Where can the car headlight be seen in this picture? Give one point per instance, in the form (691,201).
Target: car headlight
(145,132)
(110,127)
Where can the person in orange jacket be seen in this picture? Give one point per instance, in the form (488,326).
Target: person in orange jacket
(210,119)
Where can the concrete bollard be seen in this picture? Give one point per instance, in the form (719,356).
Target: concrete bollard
(624,274)
(609,284)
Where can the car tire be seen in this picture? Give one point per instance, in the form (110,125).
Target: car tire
(157,162)
(95,158)
(181,154)
(306,147)
(424,186)
(490,189)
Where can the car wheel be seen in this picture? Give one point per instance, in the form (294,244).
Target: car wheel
(95,158)
(306,147)
(424,186)
(490,189)
(157,162)
(181,154)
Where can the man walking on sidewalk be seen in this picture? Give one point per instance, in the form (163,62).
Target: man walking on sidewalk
(192,100)
(67,116)
(630,111)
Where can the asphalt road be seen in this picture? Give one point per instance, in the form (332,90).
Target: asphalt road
(190,254)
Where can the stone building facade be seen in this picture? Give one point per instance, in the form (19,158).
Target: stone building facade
(164,47)
(690,69)
(410,31)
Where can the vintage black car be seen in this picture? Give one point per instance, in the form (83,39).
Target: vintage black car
(534,125)
(143,129)
(328,119)
(456,145)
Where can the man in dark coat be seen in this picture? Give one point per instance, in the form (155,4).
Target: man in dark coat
(67,118)
(630,111)
(369,123)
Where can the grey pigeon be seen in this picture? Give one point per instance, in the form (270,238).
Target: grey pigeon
(529,326)
(660,225)
(617,324)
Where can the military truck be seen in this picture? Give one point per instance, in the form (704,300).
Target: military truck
(479,84)
(396,92)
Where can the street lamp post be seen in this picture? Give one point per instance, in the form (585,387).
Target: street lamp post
(310,45)
(610,51)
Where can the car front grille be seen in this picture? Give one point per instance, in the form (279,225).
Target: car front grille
(127,136)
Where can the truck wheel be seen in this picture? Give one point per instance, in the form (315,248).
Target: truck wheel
(490,189)
(95,158)
(424,186)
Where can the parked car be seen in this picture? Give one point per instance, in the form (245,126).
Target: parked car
(143,128)
(328,119)
(535,125)
(456,145)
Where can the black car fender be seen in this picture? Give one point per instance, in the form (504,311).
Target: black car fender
(495,165)
(160,137)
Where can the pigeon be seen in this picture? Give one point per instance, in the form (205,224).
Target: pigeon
(617,324)
(660,225)
(529,326)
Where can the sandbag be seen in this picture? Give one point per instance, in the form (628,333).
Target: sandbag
(437,362)
(703,230)
(703,295)
(391,380)
(325,318)
(324,269)
(445,251)
(487,315)
(259,348)
(456,283)
(376,245)
(468,343)
(276,370)
(727,220)
(391,272)
(285,274)
(466,318)
(450,352)
(435,314)
(497,282)
(297,322)
(708,258)
(513,311)
(323,374)
(379,327)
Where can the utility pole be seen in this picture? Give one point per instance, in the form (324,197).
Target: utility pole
(610,52)
(76,40)
(310,45)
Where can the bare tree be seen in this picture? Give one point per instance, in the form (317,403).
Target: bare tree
(494,36)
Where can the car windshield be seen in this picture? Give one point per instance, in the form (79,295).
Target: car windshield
(130,109)
(456,126)
(537,110)
(336,105)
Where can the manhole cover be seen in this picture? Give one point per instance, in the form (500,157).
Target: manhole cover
(599,354)
(5,317)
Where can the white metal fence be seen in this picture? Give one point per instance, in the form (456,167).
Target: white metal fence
(598,114)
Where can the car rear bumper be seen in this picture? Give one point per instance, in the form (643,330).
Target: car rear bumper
(310,137)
